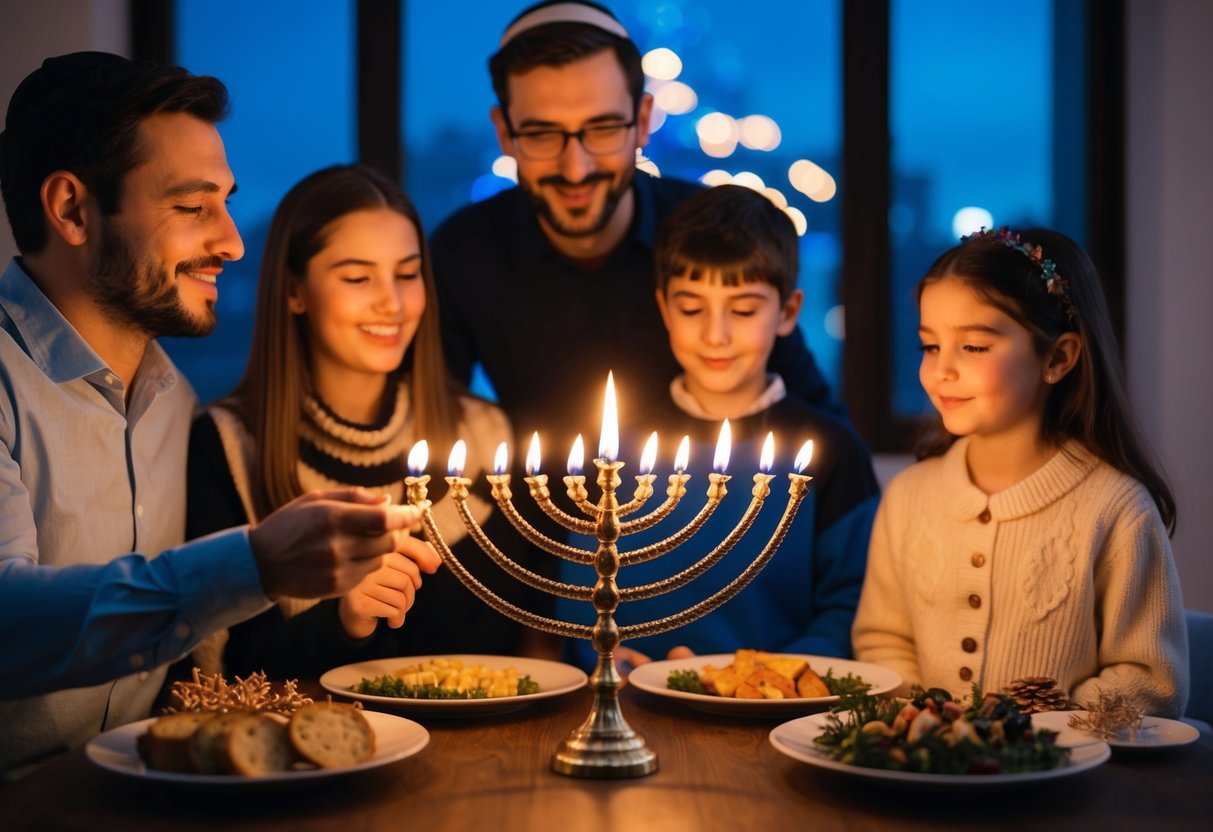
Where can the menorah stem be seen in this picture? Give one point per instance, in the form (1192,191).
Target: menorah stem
(605,746)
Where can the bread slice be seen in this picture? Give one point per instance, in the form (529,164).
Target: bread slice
(166,745)
(206,750)
(331,734)
(256,745)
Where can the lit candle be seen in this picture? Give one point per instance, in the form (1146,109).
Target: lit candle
(419,457)
(608,444)
(457,461)
(804,457)
(720,461)
(501,459)
(577,457)
(648,457)
(768,454)
(532,456)
(683,457)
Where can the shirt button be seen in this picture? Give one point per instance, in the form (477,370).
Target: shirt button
(136,661)
(969,646)
(139,510)
(975,601)
(143,675)
(109,379)
(978,560)
(984,516)
(965,674)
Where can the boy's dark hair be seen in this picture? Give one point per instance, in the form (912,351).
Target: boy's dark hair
(730,228)
(1091,403)
(81,112)
(559,43)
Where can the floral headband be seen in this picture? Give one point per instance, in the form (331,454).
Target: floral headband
(1055,284)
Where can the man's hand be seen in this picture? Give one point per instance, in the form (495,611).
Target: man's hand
(323,544)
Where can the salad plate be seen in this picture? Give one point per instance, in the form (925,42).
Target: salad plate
(796,740)
(395,739)
(553,678)
(1155,732)
(651,678)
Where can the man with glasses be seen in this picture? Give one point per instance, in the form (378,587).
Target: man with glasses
(549,285)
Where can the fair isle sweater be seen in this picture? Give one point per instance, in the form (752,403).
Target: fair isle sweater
(1066,574)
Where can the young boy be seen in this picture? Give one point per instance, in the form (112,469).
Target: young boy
(727,262)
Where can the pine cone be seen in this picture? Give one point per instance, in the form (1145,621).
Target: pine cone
(1036,694)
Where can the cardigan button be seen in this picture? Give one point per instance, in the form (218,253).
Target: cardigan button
(969,646)
(965,674)
(975,601)
(984,516)
(978,560)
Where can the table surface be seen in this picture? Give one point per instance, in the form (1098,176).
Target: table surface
(492,773)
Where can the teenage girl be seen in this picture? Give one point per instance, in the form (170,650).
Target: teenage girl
(345,374)
(1033,538)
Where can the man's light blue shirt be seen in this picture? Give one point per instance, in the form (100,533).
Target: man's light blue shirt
(95,585)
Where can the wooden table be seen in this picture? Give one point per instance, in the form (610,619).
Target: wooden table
(491,775)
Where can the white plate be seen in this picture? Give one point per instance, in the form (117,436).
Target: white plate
(652,678)
(1155,732)
(553,678)
(395,739)
(795,739)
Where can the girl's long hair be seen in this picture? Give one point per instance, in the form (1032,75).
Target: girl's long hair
(269,398)
(1091,404)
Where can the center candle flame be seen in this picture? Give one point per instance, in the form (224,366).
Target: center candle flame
(721,460)
(419,457)
(648,457)
(532,456)
(608,444)
(683,456)
(457,461)
(768,454)
(577,457)
(804,457)
(501,459)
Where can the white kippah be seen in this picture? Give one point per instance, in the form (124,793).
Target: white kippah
(564,13)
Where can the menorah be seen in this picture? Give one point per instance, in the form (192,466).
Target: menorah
(604,745)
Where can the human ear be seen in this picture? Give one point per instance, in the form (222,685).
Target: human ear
(663,308)
(294,301)
(502,127)
(1062,357)
(63,198)
(644,111)
(789,313)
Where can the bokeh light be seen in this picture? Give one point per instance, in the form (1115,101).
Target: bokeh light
(662,64)
(760,133)
(969,220)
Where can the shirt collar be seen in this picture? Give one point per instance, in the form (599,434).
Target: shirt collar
(40,329)
(55,346)
(773,394)
(1042,488)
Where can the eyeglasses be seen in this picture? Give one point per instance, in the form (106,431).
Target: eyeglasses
(598,139)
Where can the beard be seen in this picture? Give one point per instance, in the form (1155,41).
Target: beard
(579,222)
(143,296)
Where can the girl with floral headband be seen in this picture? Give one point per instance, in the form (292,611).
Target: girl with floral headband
(1032,538)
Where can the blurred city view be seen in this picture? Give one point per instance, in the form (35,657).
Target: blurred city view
(750,93)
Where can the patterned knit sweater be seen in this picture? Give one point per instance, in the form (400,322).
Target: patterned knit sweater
(1066,574)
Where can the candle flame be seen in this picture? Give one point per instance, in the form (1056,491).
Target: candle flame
(721,460)
(608,444)
(768,454)
(457,461)
(648,457)
(683,456)
(804,457)
(577,457)
(532,456)
(419,457)
(501,459)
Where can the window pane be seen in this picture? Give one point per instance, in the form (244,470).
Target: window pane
(734,61)
(971,117)
(291,81)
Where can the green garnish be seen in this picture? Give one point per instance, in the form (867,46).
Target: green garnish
(684,680)
(394,686)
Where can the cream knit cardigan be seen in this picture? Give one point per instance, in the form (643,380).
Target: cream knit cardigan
(1066,574)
